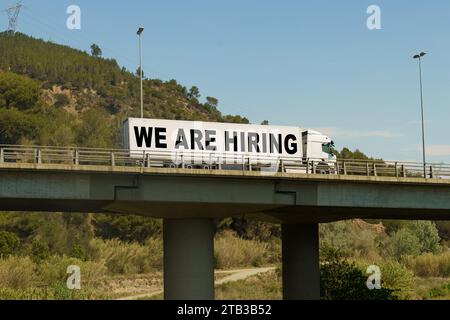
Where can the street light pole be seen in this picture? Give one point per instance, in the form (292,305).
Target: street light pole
(141,74)
(419,56)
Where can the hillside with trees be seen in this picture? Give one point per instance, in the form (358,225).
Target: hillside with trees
(55,95)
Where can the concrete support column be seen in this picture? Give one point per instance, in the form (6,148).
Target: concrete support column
(188,259)
(300,251)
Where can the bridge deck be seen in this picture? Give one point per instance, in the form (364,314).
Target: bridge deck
(192,193)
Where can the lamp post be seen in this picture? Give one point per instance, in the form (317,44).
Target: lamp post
(141,75)
(420,56)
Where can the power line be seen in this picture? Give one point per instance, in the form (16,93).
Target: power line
(13,15)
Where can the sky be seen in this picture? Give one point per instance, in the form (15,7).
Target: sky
(312,64)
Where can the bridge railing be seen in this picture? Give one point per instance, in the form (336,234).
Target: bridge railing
(204,160)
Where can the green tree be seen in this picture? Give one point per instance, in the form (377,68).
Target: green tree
(212,102)
(95,50)
(126,227)
(194,92)
(427,234)
(138,73)
(403,242)
(265,123)
(235,119)
(18,91)
(95,130)
(16,126)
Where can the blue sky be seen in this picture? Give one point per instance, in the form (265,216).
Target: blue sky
(312,64)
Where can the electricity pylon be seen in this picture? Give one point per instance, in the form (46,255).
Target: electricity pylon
(13,14)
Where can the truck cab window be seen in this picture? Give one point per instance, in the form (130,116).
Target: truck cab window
(327,148)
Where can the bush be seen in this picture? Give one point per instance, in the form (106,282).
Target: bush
(351,240)
(231,251)
(9,244)
(429,265)
(403,243)
(343,280)
(61,100)
(398,279)
(39,250)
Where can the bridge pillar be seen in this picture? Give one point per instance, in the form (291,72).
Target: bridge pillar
(188,259)
(300,254)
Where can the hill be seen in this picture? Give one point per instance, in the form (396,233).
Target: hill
(56,95)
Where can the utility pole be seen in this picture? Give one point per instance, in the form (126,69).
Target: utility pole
(420,56)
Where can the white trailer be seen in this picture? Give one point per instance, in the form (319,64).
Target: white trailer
(192,144)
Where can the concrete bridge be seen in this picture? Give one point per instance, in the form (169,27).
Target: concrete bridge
(189,200)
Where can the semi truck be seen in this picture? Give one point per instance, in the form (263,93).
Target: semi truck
(213,145)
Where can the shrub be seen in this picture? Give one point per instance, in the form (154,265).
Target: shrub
(428,235)
(61,100)
(155,250)
(398,279)
(350,240)
(9,243)
(39,250)
(402,243)
(341,279)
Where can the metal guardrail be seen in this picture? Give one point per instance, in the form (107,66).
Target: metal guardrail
(211,161)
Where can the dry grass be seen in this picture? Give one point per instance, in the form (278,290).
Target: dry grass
(16,272)
(232,252)
(265,286)
(129,258)
(430,265)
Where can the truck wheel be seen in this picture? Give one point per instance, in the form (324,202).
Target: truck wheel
(323,168)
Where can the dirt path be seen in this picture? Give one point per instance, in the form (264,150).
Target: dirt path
(234,275)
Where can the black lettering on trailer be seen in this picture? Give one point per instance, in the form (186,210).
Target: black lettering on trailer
(229,140)
(242,141)
(160,136)
(209,139)
(181,140)
(143,134)
(291,148)
(275,144)
(196,139)
(264,142)
(253,141)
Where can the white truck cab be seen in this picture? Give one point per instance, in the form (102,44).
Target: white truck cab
(318,147)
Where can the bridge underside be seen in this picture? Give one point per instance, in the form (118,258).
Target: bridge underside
(177,194)
(289,214)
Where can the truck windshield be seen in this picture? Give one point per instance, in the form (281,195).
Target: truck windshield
(328,147)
